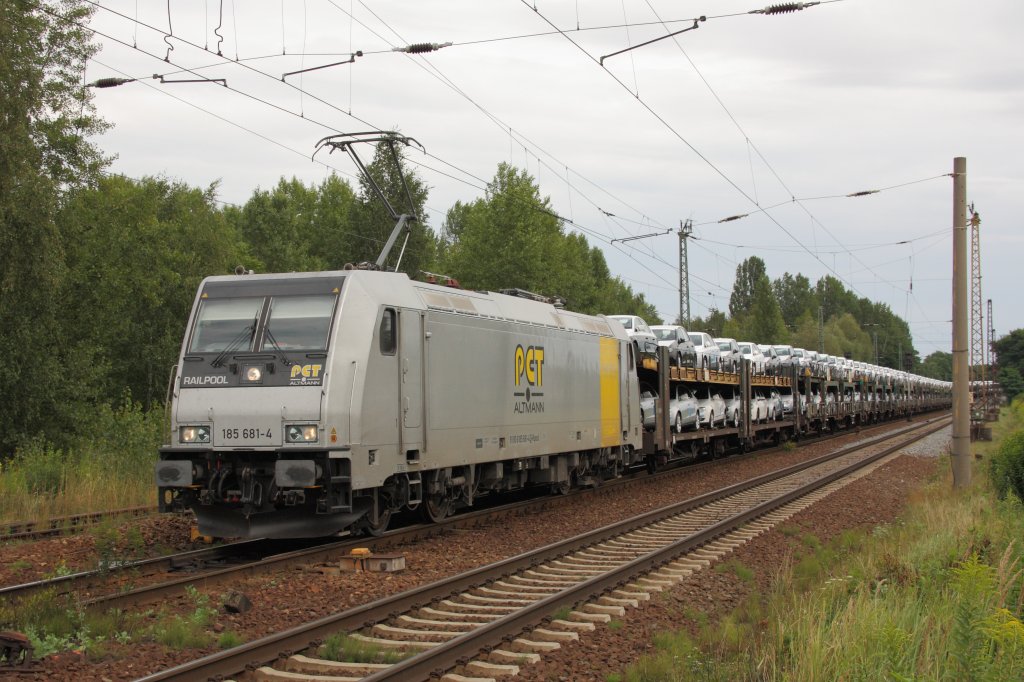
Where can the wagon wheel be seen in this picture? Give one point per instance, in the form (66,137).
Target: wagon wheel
(562,487)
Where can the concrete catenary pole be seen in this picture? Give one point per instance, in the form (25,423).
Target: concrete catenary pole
(961,372)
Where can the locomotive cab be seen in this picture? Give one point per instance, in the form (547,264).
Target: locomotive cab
(247,442)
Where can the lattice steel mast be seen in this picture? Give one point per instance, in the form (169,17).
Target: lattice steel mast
(977,320)
(993,358)
(685,230)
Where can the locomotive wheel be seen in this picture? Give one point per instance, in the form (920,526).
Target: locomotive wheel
(436,508)
(376,527)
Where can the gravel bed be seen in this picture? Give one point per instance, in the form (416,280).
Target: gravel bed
(295,596)
(875,499)
(31,560)
(935,445)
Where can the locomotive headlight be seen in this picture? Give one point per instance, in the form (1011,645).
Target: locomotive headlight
(302,433)
(253,374)
(194,434)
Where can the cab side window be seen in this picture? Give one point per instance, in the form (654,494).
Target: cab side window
(388,336)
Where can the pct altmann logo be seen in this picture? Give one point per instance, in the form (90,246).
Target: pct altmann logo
(305,375)
(529,376)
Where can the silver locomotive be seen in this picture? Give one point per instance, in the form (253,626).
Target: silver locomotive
(312,403)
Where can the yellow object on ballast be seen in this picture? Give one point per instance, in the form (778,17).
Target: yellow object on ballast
(196,536)
(361,551)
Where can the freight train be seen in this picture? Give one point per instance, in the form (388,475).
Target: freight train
(310,404)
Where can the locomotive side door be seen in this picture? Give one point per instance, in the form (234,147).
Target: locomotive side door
(411,358)
(629,390)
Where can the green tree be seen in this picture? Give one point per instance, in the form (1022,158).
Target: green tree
(332,230)
(843,335)
(763,322)
(372,224)
(300,228)
(46,117)
(279,226)
(794,296)
(713,324)
(749,275)
(1011,381)
(507,239)
(1010,349)
(938,365)
(511,238)
(833,298)
(136,252)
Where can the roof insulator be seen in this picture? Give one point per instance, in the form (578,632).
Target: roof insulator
(733,217)
(863,193)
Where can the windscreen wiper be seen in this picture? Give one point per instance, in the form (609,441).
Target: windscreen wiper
(233,346)
(269,336)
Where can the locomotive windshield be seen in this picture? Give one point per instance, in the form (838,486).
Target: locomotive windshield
(226,324)
(298,323)
(265,315)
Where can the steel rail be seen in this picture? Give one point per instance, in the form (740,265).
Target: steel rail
(99,578)
(446,656)
(62,525)
(470,519)
(267,649)
(84,580)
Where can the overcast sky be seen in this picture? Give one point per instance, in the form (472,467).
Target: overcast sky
(748,114)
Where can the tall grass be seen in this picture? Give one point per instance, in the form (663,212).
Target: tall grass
(110,467)
(938,595)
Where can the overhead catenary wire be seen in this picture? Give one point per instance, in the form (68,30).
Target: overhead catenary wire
(577,225)
(568,222)
(775,9)
(686,142)
(503,126)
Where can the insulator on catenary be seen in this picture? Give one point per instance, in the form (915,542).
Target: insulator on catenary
(109,82)
(419,48)
(785,8)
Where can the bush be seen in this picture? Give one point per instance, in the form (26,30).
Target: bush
(41,467)
(1006,467)
(108,464)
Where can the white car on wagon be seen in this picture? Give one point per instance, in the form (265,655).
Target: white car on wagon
(638,331)
(709,356)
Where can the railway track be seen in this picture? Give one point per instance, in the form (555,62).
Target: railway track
(118,586)
(66,525)
(486,622)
